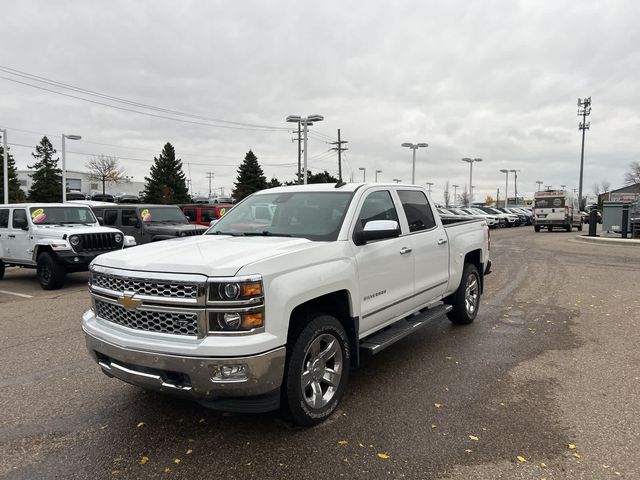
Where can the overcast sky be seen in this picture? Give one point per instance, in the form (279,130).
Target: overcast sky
(493,79)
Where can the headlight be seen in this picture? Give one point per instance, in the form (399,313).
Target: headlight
(74,240)
(235,321)
(118,238)
(247,289)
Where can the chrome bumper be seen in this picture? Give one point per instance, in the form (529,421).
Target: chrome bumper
(191,377)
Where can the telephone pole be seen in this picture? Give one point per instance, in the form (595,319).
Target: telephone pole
(339,148)
(210,176)
(299,140)
(584,110)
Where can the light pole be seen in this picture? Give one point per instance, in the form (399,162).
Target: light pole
(584,109)
(364,174)
(377,172)
(64,164)
(506,187)
(414,147)
(515,184)
(539,182)
(306,122)
(470,162)
(5,166)
(397,180)
(429,184)
(455,195)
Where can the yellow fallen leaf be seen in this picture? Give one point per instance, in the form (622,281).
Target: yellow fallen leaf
(433,425)
(571,446)
(383,456)
(189,452)
(342,442)
(437,405)
(141,424)
(543,465)
(201,420)
(177,460)
(473,437)
(361,445)
(167,470)
(143,460)
(226,414)
(521,459)
(576,454)
(468,450)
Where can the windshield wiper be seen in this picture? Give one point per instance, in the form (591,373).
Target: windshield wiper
(217,232)
(266,233)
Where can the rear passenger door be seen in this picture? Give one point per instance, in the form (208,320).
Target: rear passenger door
(429,242)
(4,231)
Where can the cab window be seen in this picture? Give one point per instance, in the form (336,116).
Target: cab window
(110,217)
(4,218)
(18,215)
(207,214)
(377,206)
(192,214)
(416,208)
(129,218)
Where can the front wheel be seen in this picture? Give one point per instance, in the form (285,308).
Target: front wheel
(580,227)
(466,300)
(569,228)
(317,371)
(2,267)
(50,273)
(536,228)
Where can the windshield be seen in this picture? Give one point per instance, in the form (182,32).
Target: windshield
(61,215)
(492,210)
(162,215)
(550,202)
(311,215)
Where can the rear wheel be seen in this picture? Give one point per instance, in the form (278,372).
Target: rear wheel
(50,273)
(466,300)
(317,371)
(569,228)
(549,228)
(1,269)
(580,227)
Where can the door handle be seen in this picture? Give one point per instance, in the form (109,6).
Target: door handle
(442,241)
(11,236)
(405,250)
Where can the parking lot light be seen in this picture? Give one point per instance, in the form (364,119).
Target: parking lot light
(64,164)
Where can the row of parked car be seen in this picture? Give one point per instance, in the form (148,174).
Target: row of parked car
(494,216)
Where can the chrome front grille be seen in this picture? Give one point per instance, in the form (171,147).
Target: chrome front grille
(174,323)
(149,287)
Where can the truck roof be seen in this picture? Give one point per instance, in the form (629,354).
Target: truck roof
(331,187)
(41,204)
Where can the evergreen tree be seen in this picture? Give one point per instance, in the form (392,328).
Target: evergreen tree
(250,177)
(323,177)
(166,182)
(47,178)
(15,192)
(274,182)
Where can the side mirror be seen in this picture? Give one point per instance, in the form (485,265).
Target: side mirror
(21,223)
(100,220)
(129,241)
(213,222)
(378,230)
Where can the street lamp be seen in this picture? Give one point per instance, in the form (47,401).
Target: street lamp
(455,197)
(397,180)
(429,184)
(5,165)
(539,182)
(414,147)
(506,187)
(377,172)
(307,121)
(515,184)
(563,186)
(364,174)
(470,162)
(64,164)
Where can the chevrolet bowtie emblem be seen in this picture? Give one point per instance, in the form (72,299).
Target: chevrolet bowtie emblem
(128,302)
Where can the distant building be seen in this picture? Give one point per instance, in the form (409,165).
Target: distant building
(630,193)
(79,181)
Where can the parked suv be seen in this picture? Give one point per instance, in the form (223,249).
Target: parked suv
(147,223)
(199,214)
(54,238)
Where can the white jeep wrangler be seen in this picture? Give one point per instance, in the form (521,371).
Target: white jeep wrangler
(54,238)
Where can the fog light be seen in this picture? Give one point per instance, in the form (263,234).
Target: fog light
(237,372)
(231,321)
(76,259)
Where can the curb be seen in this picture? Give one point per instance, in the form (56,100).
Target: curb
(628,242)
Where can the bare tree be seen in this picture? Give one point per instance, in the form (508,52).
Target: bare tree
(633,175)
(447,195)
(596,189)
(606,185)
(105,169)
(464,197)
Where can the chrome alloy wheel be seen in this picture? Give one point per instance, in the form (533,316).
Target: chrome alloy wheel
(471,294)
(321,370)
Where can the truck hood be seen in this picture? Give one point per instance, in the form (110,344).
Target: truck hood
(59,231)
(172,228)
(211,255)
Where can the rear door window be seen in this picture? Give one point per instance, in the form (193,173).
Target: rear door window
(110,217)
(129,218)
(207,214)
(18,214)
(417,209)
(550,202)
(4,218)
(192,214)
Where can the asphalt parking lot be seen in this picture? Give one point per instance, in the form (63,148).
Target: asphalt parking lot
(545,384)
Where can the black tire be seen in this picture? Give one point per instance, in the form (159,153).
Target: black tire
(549,229)
(1,269)
(569,228)
(536,228)
(580,227)
(321,330)
(49,271)
(463,313)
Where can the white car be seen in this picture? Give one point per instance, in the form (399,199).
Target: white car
(261,313)
(55,238)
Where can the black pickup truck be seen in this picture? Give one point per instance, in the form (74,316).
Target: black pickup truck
(147,223)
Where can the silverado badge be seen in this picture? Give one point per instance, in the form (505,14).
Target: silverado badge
(128,302)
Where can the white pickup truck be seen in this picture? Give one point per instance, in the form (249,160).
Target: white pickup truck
(283,296)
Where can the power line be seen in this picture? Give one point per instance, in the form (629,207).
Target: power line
(339,148)
(84,91)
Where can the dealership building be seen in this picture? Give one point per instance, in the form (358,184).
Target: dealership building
(81,182)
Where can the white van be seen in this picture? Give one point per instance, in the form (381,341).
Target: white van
(556,209)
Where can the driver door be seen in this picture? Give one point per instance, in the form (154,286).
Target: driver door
(19,240)
(385,267)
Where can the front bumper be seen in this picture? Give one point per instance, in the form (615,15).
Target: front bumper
(196,378)
(78,261)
